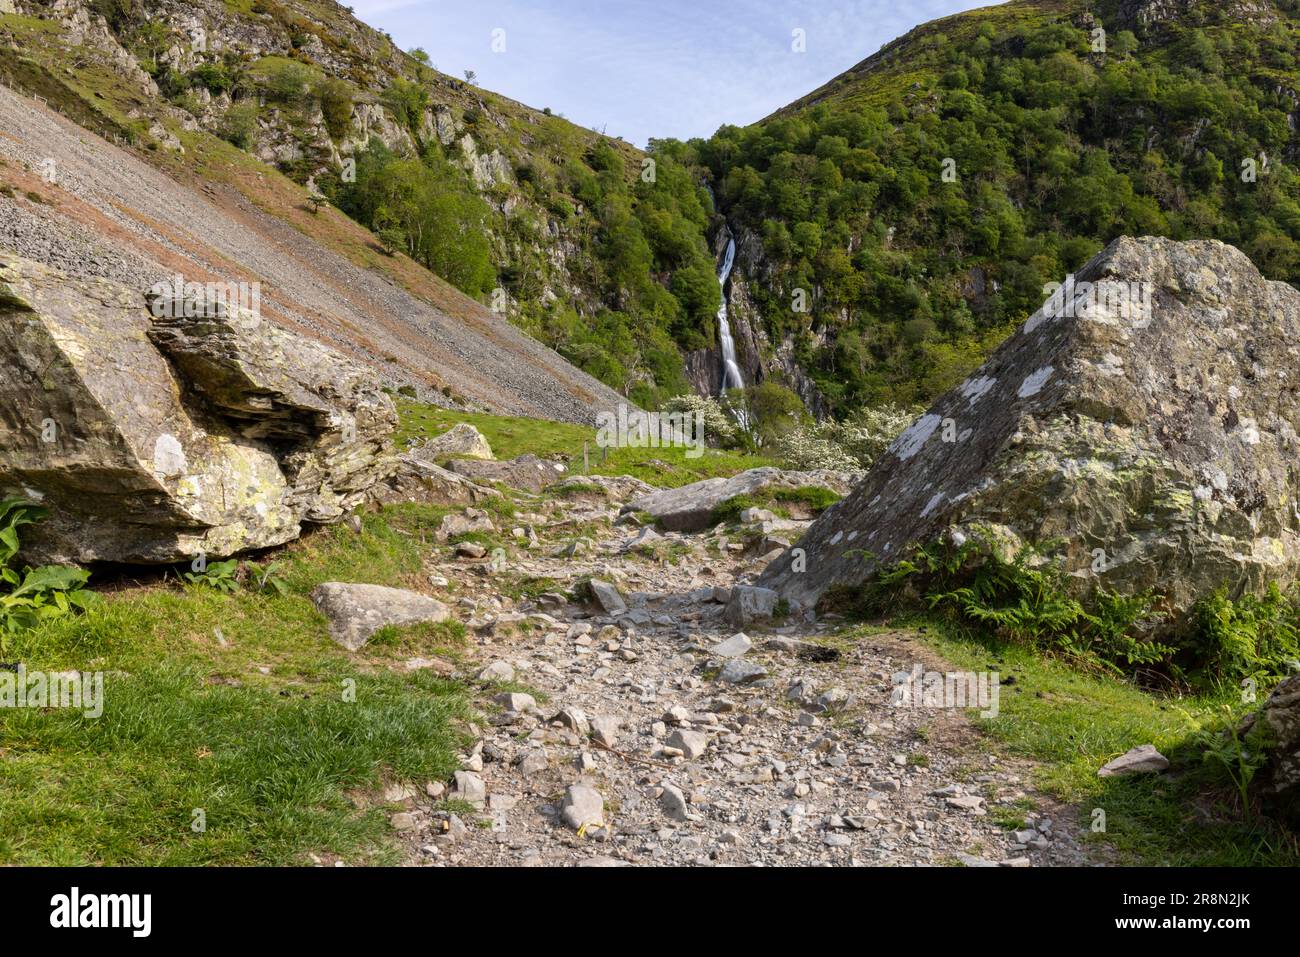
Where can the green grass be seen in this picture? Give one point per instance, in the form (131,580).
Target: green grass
(511,436)
(234,704)
(1073,722)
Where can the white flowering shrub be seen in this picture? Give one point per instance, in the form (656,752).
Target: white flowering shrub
(850,446)
(720,429)
(866,433)
(804,449)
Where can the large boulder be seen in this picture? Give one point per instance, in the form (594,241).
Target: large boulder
(690,507)
(460,441)
(157,438)
(1140,426)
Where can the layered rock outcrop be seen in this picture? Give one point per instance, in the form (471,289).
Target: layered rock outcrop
(1141,426)
(158,431)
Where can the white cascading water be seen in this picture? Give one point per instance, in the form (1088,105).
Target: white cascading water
(731,377)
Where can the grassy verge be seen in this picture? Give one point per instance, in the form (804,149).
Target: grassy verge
(1072,722)
(236,705)
(511,436)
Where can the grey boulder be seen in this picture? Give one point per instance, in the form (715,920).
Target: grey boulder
(690,507)
(1140,428)
(356,612)
(156,434)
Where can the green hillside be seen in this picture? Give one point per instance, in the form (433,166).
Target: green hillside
(1065,124)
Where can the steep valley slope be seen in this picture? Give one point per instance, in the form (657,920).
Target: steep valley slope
(76,201)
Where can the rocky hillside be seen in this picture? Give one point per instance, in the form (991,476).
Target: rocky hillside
(154,196)
(896,224)
(572,235)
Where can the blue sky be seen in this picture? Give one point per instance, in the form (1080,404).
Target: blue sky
(642,68)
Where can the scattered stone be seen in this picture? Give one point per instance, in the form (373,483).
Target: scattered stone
(607,597)
(734,647)
(673,801)
(515,701)
(741,672)
(469,787)
(749,604)
(1144,759)
(582,807)
(533,761)
(692,744)
(497,671)
(604,729)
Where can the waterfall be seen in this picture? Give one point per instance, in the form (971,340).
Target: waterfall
(731,377)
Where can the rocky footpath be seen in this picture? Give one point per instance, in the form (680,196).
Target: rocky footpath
(1140,426)
(636,711)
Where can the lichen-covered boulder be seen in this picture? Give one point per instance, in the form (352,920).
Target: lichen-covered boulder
(1141,426)
(154,440)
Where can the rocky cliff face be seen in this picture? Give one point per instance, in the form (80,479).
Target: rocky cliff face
(156,432)
(1141,426)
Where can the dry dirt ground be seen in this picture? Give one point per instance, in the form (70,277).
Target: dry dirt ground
(805,761)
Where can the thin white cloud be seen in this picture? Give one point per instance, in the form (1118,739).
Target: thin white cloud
(643,68)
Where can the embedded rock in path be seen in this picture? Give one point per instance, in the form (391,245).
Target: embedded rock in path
(460,441)
(155,438)
(527,473)
(749,604)
(690,508)
(356,612)
(1140,426)
(415,480)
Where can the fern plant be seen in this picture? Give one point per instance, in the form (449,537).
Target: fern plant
(1249,637)
(1024,599)
(30,596)
(1238,756)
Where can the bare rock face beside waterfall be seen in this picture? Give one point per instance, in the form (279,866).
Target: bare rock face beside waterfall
(1142,427)
(156,439)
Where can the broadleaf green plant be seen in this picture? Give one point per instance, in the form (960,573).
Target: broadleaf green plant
(31,596)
